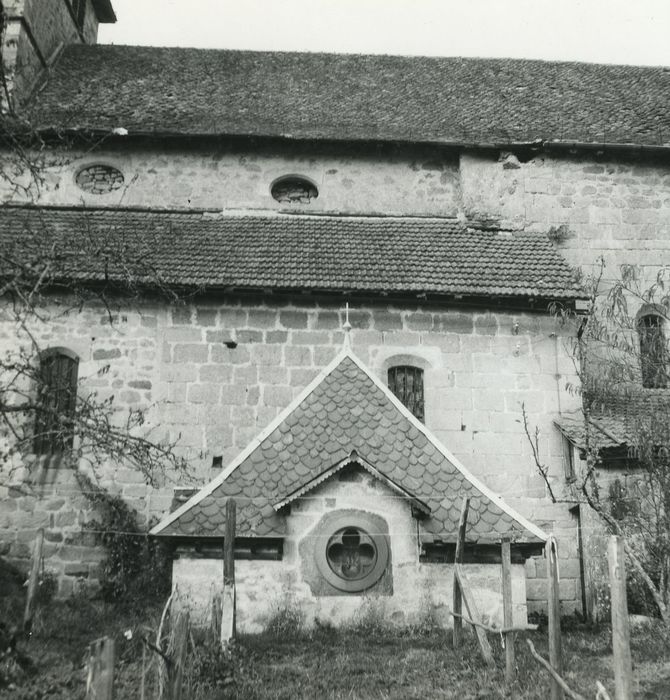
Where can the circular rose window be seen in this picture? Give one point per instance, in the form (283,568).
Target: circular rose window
(353,558)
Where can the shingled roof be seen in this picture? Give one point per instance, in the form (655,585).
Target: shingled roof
(607,431)
(466,101)
(347,409)
(289,252)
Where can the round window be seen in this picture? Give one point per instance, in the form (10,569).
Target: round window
(352,558)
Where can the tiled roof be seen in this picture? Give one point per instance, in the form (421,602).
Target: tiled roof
(606,430)
(291,252)
(621,421)
(346,410)
(353,97)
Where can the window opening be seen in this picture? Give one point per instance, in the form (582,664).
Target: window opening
(653,352)
(294,190)
(568,459)
(406,382)
(57,396)
(79,10)
(351,554)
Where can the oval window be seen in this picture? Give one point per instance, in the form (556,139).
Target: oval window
(294,190)
(99,179)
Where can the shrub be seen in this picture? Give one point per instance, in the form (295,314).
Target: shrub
(137,567)
(370,618)
(210,669)
(287,619)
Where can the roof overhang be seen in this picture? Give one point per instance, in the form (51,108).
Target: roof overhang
(538,145)
(604,432)
(104,11)
(417,504)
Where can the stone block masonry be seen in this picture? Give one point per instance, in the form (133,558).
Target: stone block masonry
(213,374)
(360,180)
(614,209)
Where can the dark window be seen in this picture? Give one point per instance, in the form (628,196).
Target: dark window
(79,11)
(653,352)
(293,190)
(568,459)
(406,383)
(57,396)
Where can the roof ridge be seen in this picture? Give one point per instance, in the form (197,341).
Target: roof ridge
(358,54)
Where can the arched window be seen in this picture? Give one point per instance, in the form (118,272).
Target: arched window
(406,382)
(653,351)
(57,396)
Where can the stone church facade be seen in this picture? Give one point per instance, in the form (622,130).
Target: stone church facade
(445,201)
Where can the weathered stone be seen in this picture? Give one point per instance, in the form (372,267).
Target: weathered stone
(204,393)
(297,356)
(111,354)
(183,334)
(206,317)
(220,336)
(140,384)
(262,318)
(277,396)
(387,321)
(276,336)
(181,315)
(190,352)
(215,373)
(327,320)
(293,319)
(249,336)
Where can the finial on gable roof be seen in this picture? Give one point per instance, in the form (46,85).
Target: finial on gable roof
(346,327)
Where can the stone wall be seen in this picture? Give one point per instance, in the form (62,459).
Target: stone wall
(617,208)
(37,30)
(421,593)
(479,368)
(229,176)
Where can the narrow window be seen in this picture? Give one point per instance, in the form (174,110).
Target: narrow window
(568,459)
(57,395)
(406,383)
(653,352)
(79,11)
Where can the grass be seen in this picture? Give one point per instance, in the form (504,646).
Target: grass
(364,661)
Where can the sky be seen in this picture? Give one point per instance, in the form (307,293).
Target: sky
(601,31)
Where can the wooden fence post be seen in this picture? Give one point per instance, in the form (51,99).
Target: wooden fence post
(100,675)
(623,665)
(228,601)
(458,558)
(554,611)
(473,614)
(508,610)
(179,644)
(32,582)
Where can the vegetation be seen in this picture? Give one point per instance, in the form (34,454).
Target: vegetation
(621,357)
(327,663)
